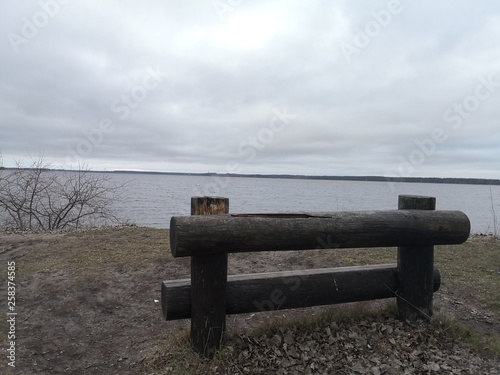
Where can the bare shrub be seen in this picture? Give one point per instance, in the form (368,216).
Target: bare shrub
(37,198)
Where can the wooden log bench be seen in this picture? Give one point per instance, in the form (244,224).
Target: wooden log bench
(211,233)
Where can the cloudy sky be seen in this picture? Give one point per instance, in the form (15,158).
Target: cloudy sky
(394,88)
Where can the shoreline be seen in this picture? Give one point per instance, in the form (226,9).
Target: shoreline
(388,179)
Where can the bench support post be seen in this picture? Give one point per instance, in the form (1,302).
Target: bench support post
(415,269)
(208,287)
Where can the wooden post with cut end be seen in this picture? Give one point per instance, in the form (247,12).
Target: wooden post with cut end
(415,269)
(208,287)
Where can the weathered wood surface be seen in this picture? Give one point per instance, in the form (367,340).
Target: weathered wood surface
(415,267)
(292,289)
(209,205)
(203,235)
(209,280)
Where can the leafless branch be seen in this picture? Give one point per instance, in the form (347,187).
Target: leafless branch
(36,198)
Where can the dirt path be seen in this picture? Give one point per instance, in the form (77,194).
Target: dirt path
(71,321)
(88,303)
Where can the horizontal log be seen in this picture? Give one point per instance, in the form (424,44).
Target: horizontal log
(291,289)
(211,234)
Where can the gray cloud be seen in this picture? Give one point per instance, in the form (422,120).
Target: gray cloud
(81,88)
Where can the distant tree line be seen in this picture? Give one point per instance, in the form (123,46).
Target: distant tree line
(429,180)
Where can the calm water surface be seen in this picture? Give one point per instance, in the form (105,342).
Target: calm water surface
(151,200)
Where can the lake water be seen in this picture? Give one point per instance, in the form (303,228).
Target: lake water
(151,200)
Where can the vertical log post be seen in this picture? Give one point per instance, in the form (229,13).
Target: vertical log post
(208,287)
(415,269)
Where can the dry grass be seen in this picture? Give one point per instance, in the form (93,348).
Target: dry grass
(472,267)
(480,341)
(96,250)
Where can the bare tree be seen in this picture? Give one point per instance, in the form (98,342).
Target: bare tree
(37,198)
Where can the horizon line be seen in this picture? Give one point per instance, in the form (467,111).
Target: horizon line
(374,178)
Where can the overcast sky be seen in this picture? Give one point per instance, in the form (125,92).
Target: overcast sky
(408,88)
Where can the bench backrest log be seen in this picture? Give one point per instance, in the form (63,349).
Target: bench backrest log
(211,233)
